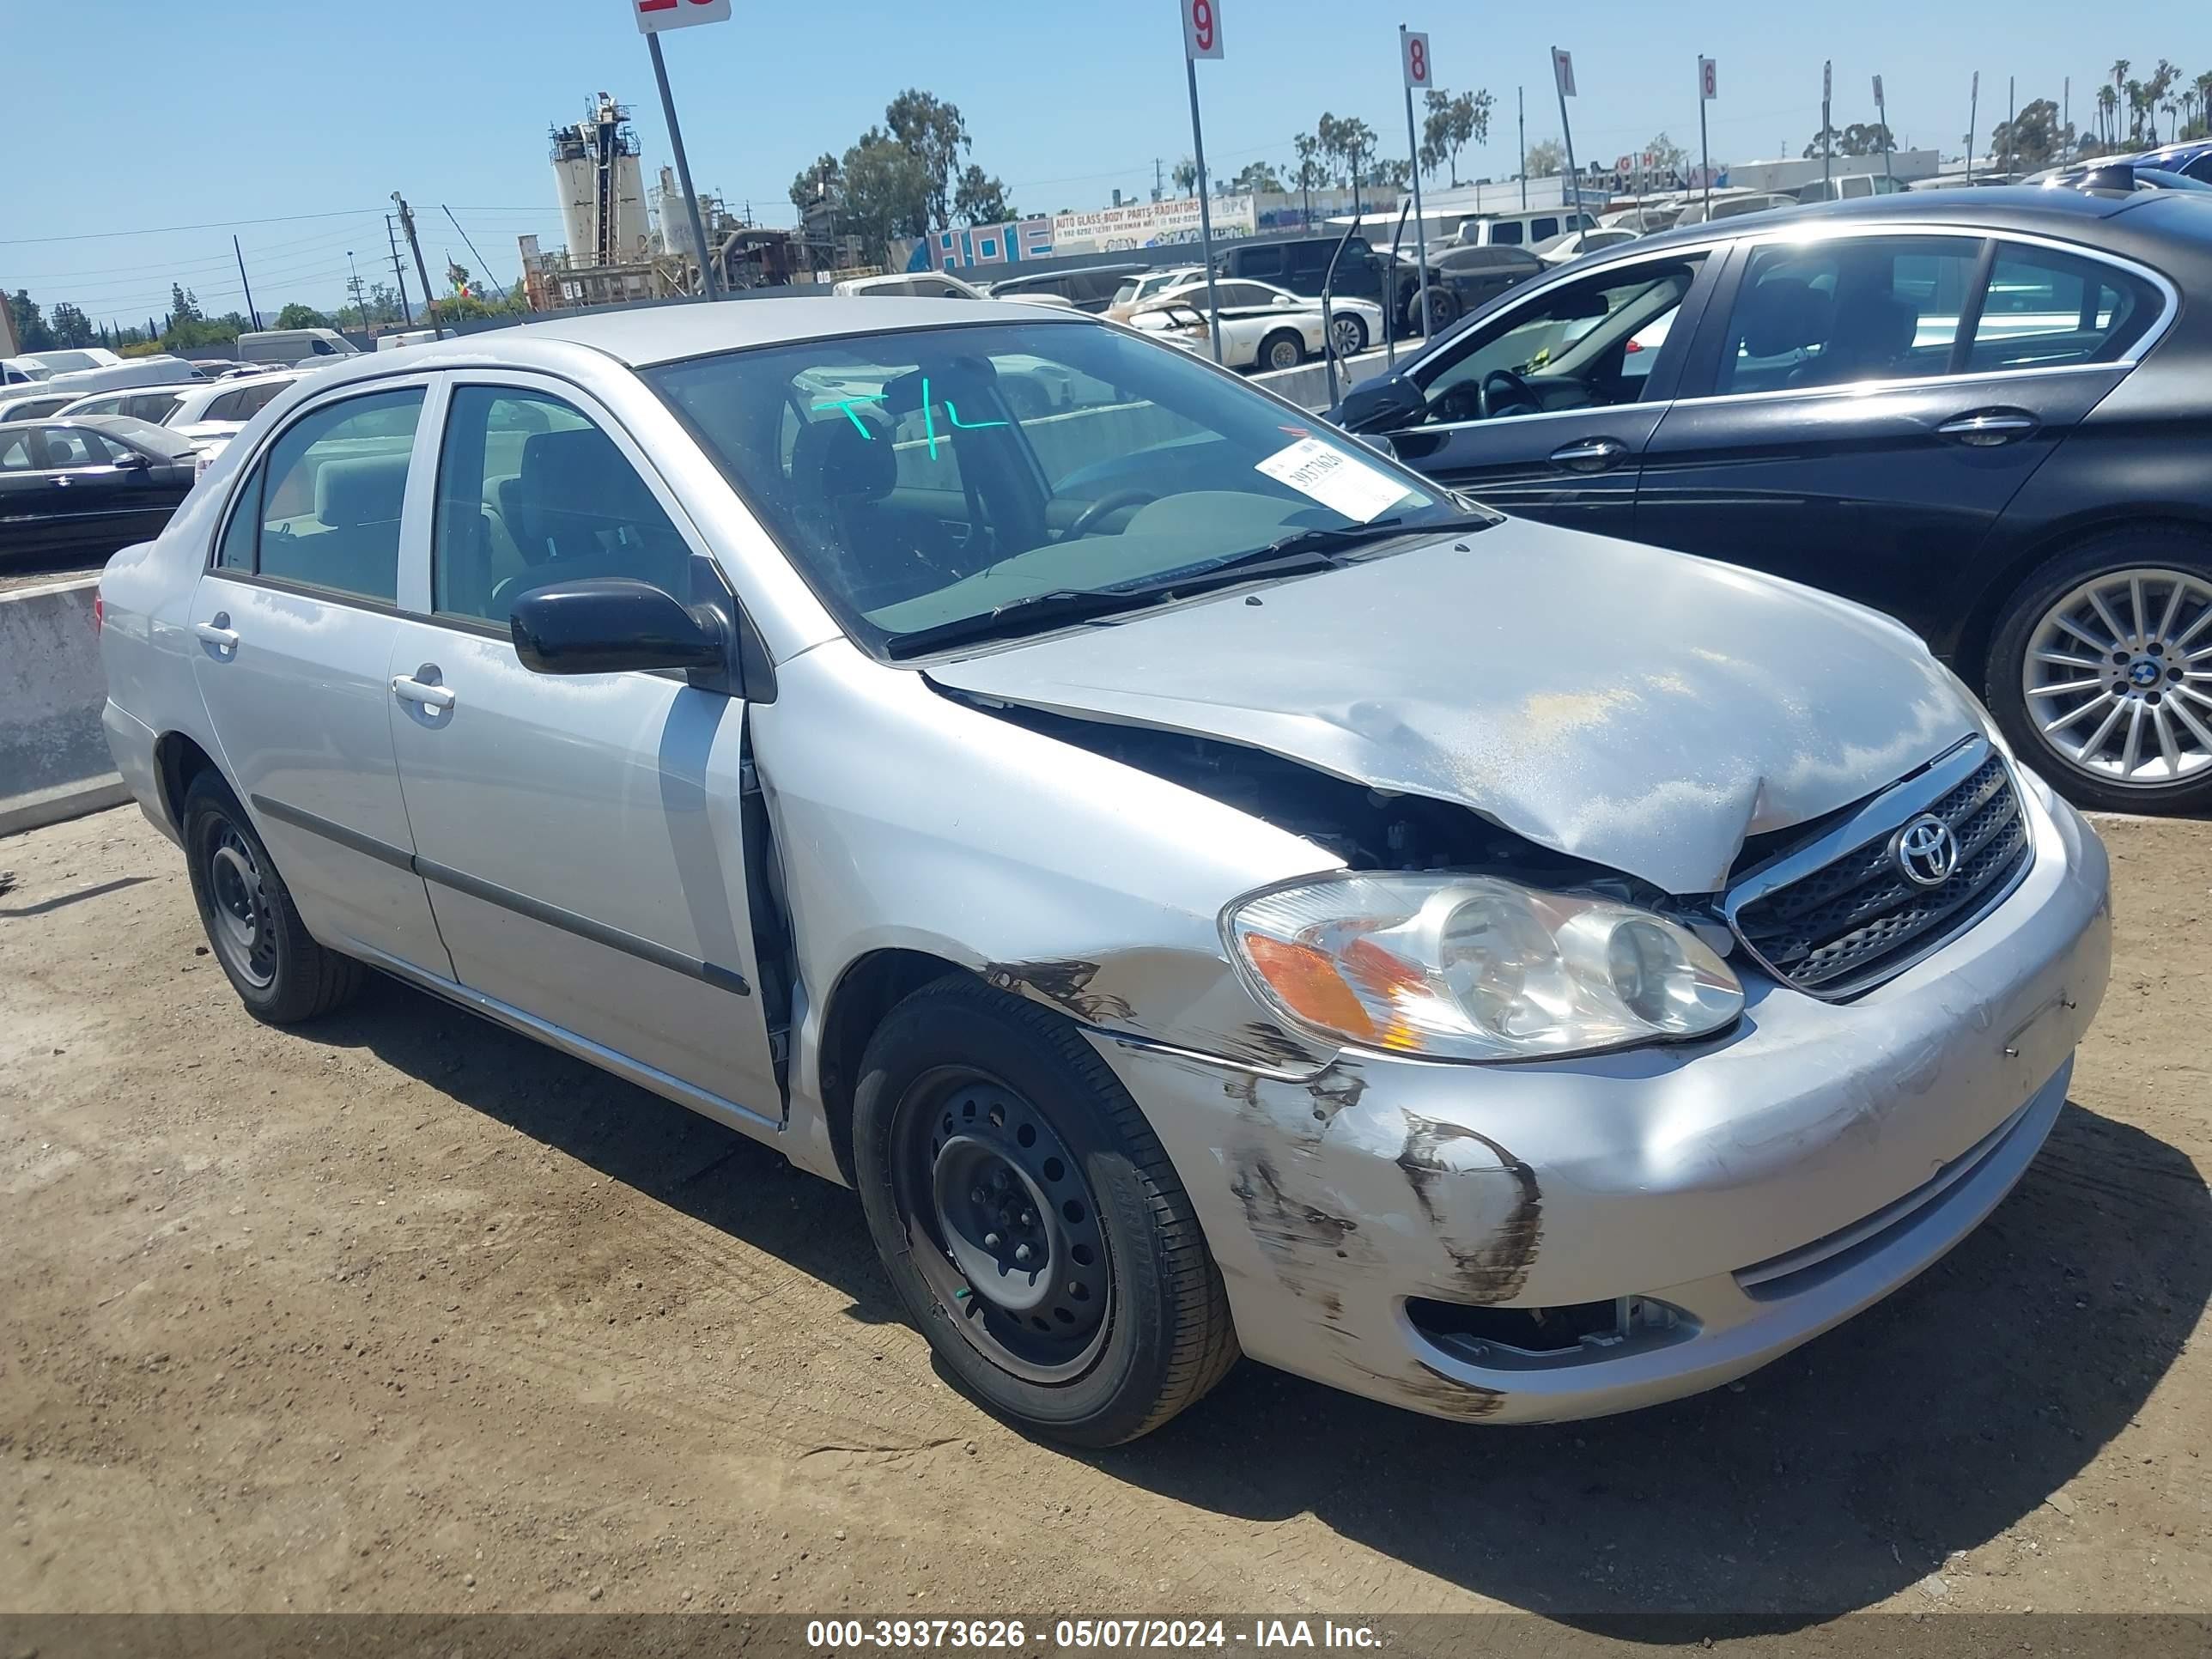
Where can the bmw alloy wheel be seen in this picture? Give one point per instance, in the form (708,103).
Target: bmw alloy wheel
(2118,678)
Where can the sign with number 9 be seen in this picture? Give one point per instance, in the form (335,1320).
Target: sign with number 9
(1201,27)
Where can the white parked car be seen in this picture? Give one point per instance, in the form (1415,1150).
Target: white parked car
(1358,323)
(1147,286)
(1573,247)
(150,403)
(1254,337)
(1152,851)
(212,414)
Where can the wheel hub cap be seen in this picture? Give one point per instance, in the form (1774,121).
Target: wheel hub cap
(2118,677)
(240,911)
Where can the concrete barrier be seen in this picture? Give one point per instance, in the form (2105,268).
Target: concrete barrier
(1307,385)
(54,762)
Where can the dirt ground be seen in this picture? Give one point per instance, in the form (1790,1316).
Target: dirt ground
(402,1312)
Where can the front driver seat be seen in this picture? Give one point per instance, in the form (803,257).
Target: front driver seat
(841,474)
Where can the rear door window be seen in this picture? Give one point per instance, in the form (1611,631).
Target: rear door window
(1506,233)
(1854,308)
(336,479)
(2045,308)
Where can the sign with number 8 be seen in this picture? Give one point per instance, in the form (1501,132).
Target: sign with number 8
(1418,77)
(1201,27)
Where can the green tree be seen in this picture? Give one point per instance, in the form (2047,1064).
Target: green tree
(184,305)
(1349,143)
(885,192)
(30,324)
(816,182)
(1184,175)
(2032,138)
(70,327)
(296,315)
(1255,177)
(1451,125)
(980,199)
(1546,156)
(934,133)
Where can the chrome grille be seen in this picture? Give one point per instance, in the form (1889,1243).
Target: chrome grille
(1839,916)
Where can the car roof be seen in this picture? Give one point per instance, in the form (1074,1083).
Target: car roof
(142,433)
(642,335)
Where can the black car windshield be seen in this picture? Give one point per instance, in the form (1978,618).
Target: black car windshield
(926,476)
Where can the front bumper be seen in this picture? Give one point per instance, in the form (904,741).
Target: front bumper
(1765,1186)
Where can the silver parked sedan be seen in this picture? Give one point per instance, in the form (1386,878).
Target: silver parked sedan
(1209,889)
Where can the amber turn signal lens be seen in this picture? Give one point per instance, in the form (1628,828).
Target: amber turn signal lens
(1309,985)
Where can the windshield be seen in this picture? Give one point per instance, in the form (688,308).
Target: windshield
(925,476)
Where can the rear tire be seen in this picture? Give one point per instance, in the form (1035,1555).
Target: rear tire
(984,1125)
(1350,334)
(1282,349)
(2112,636)
(253,928)
(1443,311)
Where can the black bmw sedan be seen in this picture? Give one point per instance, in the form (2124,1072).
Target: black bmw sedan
(1988,413)
(89,486)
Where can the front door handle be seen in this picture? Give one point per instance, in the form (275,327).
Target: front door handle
(218,632)
(1591,455)
(1986,429)
(409,689)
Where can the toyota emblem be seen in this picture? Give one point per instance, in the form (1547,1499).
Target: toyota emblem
(1926,850)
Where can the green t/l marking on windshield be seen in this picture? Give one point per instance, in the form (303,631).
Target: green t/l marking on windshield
(846,403)
(929,421)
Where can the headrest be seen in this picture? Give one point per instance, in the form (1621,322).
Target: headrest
(833,459)
(1783,314)
(578,471)
(1875,326)
(366,489)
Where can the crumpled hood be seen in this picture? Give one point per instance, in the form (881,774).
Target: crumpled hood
(1638,708)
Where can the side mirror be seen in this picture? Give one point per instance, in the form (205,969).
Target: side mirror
(132,461)
(1380,404)
(605,624)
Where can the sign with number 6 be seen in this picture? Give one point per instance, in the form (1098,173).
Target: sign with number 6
(1201,27)
(1418,75)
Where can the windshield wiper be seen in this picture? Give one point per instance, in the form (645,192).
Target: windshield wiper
(1301,553)
(1026,615)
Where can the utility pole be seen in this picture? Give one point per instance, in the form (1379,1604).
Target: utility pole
(1521,122)
(358,304)
(1157,185)
(422,270)
(399,273)
(2066,106)
(1827,131)
(2012,118)
(248,287)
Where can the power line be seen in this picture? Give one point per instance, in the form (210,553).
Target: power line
(166,230)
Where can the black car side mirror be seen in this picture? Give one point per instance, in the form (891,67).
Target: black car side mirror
(605,624)
(132,461)
(1379,405)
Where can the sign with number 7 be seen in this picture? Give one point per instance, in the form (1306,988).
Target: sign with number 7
(1201,27)
(654,15)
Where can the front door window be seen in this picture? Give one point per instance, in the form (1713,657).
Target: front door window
(1590,344)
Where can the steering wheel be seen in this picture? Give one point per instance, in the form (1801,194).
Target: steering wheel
(1521,391)
(1113,502)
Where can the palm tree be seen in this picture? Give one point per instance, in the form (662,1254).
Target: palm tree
(2161,84)
(2137,101)
(2107,101)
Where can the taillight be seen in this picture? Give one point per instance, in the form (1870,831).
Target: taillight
(1636,345)
(99,612)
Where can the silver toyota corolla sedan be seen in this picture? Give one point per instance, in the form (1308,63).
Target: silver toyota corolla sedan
(1210,889)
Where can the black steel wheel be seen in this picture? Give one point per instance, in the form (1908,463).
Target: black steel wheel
(279,970)
(1002,1224)
(1030,1220)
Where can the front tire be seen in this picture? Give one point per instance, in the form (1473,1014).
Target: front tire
(1030,1220)
(2101,671)
(1349,333)
(279,972)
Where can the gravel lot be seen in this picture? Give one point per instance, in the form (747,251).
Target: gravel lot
(402,1312)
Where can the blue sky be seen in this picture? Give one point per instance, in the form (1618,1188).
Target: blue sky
(230,111)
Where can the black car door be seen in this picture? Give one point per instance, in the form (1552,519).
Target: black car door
(104,495)
(1544,409)
(28,496)
(1860,408)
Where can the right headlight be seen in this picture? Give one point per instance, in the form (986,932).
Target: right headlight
(1475,967)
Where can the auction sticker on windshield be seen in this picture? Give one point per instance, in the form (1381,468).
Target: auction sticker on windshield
(1335,479)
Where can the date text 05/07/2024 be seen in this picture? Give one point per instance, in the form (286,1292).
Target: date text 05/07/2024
(834,1635)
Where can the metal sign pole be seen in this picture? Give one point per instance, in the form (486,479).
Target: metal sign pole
(2012,116)
(1827,132)
(1205,212)
(1563,77)
(1973,106)
(1882,115)
(1521,121)
(707,276)
(1413,149)
(1708,89)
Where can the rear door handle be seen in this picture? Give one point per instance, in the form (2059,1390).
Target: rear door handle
(1986,429)
(1591,455)
(217,633)
(408,689)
